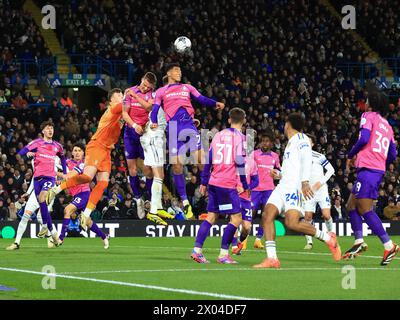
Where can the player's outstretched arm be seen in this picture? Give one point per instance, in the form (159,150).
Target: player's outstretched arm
(29,150)
(203,100)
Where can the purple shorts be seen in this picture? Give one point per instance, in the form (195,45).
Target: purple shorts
(223,200)
(260,198)
(367,184)
(80,200)
(133,147)
(43,184)
(182,136)
(247,213)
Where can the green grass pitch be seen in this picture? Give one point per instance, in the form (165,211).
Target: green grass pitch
(160,268)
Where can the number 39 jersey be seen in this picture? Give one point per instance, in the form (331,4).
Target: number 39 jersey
(374,154)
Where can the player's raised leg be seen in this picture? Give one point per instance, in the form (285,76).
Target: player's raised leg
(292,221)
(86,177)
(97,192)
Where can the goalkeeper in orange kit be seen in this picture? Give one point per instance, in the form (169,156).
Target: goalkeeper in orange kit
(98,157)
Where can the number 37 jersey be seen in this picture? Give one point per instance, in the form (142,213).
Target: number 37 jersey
(374,154)
(228,152)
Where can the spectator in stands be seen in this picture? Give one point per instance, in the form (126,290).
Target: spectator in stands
(391,211)
(191,188)
(41,99)
(12,212)
(66,102)
(19,102)
(103,104)
(3,98)
(3,210)
(338,210)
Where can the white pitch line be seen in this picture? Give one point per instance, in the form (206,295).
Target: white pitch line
(253,250)
(214,249)
(130,284)
(227,269)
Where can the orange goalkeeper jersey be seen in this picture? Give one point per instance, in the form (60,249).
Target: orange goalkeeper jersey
(109,129)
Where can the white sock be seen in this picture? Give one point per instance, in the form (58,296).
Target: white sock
(388,245)
(358,241)
(156,195)
(22,227)
(186,202)
(197,249)
(322,235)
(309,240)
(270,247)
(87,212)
(39,218)
(329,224)
(223,252)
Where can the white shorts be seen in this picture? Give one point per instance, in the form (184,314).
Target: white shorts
(153,149)
(321,198)
(286,199)
(33,204)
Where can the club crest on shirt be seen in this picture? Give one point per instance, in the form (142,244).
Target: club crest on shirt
(184,88)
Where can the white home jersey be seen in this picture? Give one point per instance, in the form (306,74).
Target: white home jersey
(297,162)
(162,125)
(154,142)
(319,163)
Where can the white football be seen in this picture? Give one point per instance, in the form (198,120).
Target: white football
(182,44)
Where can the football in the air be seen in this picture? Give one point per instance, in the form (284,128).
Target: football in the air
(182,44)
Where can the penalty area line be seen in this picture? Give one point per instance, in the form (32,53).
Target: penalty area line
(130,284)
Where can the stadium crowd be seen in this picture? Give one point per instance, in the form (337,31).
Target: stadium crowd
(378,21)
(262,58)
